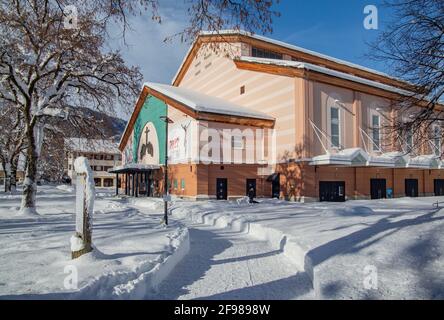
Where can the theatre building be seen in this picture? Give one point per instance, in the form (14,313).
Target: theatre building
(245,111)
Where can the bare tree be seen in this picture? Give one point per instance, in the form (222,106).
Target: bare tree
(215,15)
(52,62)
(46,69)
(11,143)
(413,47)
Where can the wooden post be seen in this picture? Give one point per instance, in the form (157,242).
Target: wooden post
(81,242)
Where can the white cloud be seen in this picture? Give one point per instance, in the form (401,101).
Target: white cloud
(144,44)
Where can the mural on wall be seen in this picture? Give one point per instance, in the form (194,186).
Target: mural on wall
(148,145)
(148,151)
(179,141)
(127,155)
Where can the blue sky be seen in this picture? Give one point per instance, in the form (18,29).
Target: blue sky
(332,27)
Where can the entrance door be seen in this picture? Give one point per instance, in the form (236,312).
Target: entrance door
(333,191)
(439,187)
(251,183)
(276,186)
(411,187)
(378,188)
(221,188)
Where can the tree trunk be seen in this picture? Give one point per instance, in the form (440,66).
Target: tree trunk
(7,172)
(29,184)
(13,183)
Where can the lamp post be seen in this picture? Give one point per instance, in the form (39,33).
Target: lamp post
(165,188)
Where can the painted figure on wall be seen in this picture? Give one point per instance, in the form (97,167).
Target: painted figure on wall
(149,145)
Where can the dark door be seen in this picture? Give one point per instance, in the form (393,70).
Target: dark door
(439,187)
(411,187)
(275,186)
(333,191)
(378,188)
(221,189)
(251,183)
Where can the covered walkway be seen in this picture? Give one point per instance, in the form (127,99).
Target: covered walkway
(138,178)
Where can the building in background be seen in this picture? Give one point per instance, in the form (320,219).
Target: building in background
(102,155)
(20,173)
(305,126)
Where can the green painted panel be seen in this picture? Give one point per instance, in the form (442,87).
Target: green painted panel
(151,111)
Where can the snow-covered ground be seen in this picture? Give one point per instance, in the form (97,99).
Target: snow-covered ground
(384,249)
(133,251)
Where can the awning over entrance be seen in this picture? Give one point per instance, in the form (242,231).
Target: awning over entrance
(357,157)
(346,157)
(134,167)
(429,161)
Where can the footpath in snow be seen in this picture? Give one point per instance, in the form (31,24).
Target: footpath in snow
(385,249)
(226,264)
(133,251)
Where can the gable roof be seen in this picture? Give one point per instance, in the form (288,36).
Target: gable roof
(197,105)
(303,55)
(327,71)
(200,102)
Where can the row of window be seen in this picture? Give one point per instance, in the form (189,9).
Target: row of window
(335,133)
(175,184)
(94,168)
(98,156)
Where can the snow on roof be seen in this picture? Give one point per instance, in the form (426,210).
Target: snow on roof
(204,103)
(92,145)
(358,157)
(423,161)
(313,67)
(288,46)
(347,157)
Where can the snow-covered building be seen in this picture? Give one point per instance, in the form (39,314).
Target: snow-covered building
(285,121)
(103,155)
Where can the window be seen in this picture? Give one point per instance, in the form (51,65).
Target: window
(109,157)
(175,184)
(335,127)
(242,90)
(182,184)
(261,53)
(409,140)
(437,140)
(375,132)
(98,168)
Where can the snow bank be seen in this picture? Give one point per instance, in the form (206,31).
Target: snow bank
(142,283)
(147,284)
(65,187)
(335,243)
